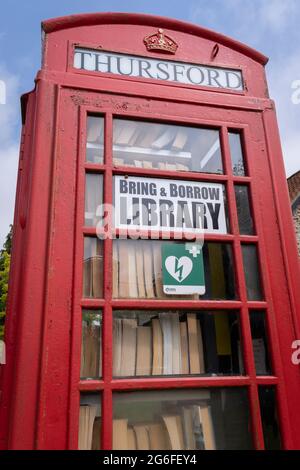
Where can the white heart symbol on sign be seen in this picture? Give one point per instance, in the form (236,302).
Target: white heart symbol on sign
(179,268)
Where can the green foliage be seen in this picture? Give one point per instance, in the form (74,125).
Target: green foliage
(4,274)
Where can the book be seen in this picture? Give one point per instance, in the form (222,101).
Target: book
(193,343)
(147,138)
(120,437)
(157,357)
(200,347)
(185,366)
(127,130)
(131,439)
(175,432)
(94,129)
(87,415)
(209,343)
(166,326)
(131,270)
(207,427)
(157,268)
(158,437)
(170,166)
(140,272)
(91,350)
(96,440)
(180,140)
(164,139)
(97,269)
(115,292)
(117,346)
(147,164)
(188,429)
(181,167)
(138,163)
(176,343)
(148,269)
(118,161)
(129,330)
(86,287)
(161,165)
(144,351)
(142,436)
(123,269)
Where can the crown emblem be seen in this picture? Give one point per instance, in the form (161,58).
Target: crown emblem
(160,42)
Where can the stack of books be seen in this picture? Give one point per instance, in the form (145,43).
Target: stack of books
(163,346)
(159,147)
(137,270)
(191,428)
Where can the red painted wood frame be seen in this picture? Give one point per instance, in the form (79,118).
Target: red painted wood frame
(43,336)
(183,114)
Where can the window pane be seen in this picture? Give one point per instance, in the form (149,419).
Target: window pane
(243,210)
(204,419)
(252,273)
(267,399)
(176,343)
(237,159)
(166,147)
(89,434)
(91,345)
(93,198)
(95,139)
(137,270)
(93,268)
(260,343)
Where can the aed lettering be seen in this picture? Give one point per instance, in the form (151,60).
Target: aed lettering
(167,214)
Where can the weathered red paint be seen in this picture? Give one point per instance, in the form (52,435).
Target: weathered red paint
(40,383)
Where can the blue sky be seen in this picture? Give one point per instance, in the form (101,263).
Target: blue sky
(271,26)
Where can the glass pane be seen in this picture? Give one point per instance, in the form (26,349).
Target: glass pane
(95,139)
(176,343)
(252,273)
(260,343)
(137,270)
(91,345)
(93,268)
(204,419)
(243,210)
(93,199)
(236,150)
(166,147)
(267,399)
(89,433)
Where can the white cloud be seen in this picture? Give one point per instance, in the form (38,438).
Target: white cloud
(281,75)
(276,14)
(271,26)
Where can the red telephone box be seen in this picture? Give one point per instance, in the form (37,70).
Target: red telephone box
(99,353)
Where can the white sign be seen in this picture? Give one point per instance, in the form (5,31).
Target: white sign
(150,204)
(157,69)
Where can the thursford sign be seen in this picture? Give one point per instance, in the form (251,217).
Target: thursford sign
(157,69)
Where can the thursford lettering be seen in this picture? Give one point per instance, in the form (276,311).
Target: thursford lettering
(134,66)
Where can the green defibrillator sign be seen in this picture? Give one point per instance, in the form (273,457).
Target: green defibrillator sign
(182,268)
